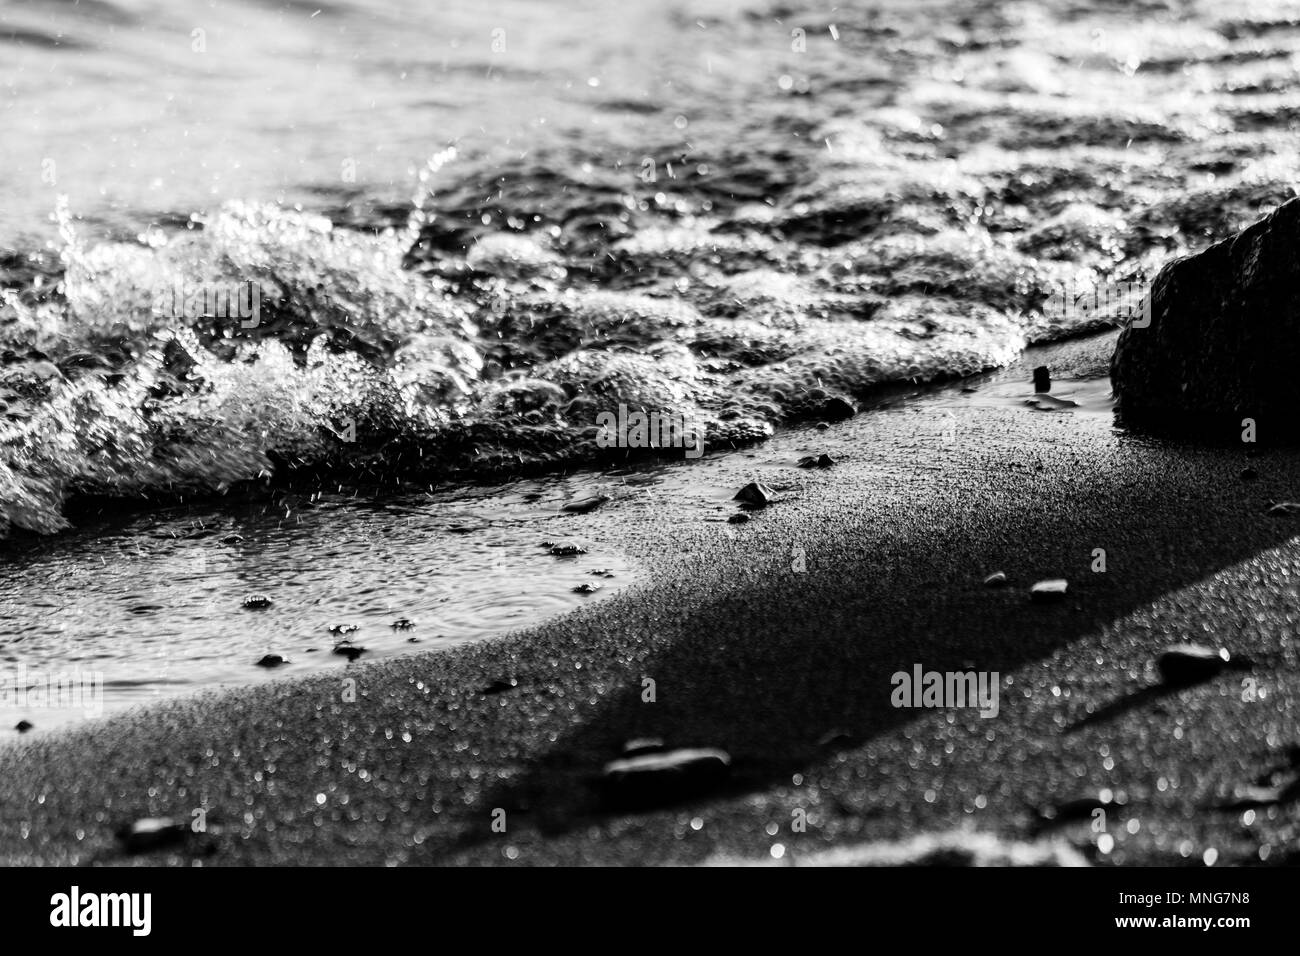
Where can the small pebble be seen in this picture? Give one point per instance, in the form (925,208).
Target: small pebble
(1052,589)
(738,519)
(23,726)
(755,493)
(816,461)
(1183,664)
(587,588)
(665,777)
(567,550)
(271,660)
(402,624)
(837,409)
(152,833)
(583,505)
(350,651)
(998,579)
(256,602)
(343,628)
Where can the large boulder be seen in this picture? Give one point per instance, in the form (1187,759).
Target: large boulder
(1222,341)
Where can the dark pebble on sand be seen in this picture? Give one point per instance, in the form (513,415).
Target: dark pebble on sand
(343,628)
(583,505)
(567,550)
(1184,664)
(232,539)
(816,461)
(402,624)
(152,833)
(837,409)
(23,726)
(755,493)
(822,426)
(998,579)
(657,778)
(587,588)
(500,686)
(256,602)
(738,519)
(413,640)
(271,660)
(1052,589)
(350,651)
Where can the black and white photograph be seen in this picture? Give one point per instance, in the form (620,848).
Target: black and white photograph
(638,434)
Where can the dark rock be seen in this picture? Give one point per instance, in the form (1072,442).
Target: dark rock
(413,640)
(1042,379)
(738,519)
(755,493)
(587,588)
(500,686)
(1053,589)
(232,539)
(272,660)
(998,579)
(656,778)
(402,624)
(816,461)
(822,426)
(567,550)
(350,651)
(1223,339)
(23,726)
(1184,664)
(152,833)
(583,505)
(602,572)
(256,602)
(837,409)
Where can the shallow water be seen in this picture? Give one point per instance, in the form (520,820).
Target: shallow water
(123,612)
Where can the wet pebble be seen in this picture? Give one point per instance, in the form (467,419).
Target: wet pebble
(272,660)
(567,550)
(402,624)
(816,461)
(656,778)
(23,726)
(587,588)
(584,505)
(256,602)
(1052,589)
(343,628)
(152,833)
(350,651)
(755,493)
(1184,664)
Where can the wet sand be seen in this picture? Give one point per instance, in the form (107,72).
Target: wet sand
(747,654)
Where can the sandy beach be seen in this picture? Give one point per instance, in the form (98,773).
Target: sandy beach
(786,670)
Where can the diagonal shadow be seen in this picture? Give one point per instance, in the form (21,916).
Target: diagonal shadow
(767,666)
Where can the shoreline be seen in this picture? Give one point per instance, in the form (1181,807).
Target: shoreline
(928,496)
